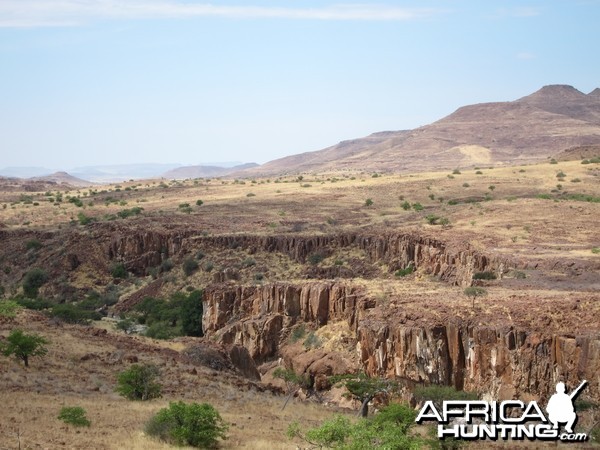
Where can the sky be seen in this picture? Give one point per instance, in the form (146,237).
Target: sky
(95,82)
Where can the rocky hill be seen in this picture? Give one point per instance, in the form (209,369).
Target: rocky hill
(527,130)
(63,178)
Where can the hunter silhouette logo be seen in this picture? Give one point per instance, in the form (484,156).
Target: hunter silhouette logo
(509,419)
(560,407)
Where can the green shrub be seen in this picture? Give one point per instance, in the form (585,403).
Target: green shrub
(248,262)
(368,202)
(9,308)
(74,415)
(561,174)
(196,425)
(595,250)
(160,330)
(456,172)
(199,202)
(36,304)
(390,429)
(34,279)
(315,258)
(33,244)
(432,219)
(135,211)
(312,341)
(166,265)
(74,314)
(83,219)
(138,382)
(405,206)
(298,333)
(417,206)
(118,270)
(190,266)
(76,202)
(404,272)
(466,185)
(487,275)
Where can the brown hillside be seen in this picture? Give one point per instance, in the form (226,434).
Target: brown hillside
(527,130)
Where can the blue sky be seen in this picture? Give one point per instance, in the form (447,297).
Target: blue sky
(89,82)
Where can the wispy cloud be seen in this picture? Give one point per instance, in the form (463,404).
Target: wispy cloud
(36,13)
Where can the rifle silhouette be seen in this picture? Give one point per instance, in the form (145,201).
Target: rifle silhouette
(574,394)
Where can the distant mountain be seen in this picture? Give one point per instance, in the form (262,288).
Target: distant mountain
(24,172)
(62,178)
(121,172)
(530,129)
(184,172)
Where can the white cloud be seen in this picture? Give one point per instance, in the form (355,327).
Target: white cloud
(34,13)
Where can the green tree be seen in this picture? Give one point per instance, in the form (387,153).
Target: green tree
(191,314)
(33,281)
(196,425)
(23,346)
(474,292)
(363,388)
(293,382)
(138,382)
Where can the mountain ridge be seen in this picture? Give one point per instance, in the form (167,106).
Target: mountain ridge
(526,130)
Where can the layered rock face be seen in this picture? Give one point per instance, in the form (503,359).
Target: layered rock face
(142,250)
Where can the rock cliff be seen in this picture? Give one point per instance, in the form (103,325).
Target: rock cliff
(497,362)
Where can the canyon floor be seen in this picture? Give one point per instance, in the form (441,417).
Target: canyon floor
(324,252)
